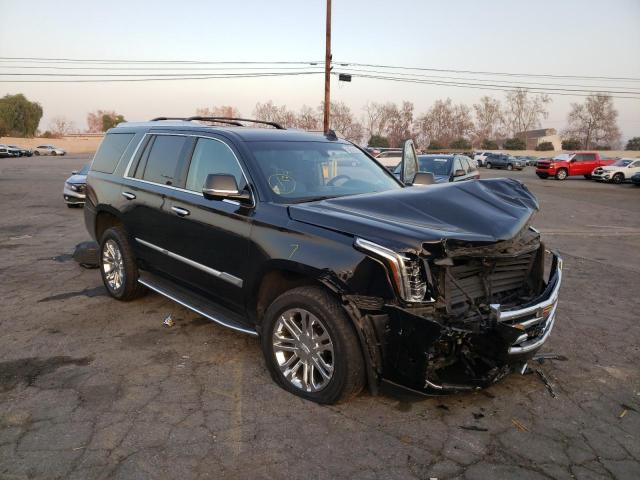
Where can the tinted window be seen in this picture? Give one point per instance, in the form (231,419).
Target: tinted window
(589,156)
(164,159)
(212,156)
(435,165)
(110,151)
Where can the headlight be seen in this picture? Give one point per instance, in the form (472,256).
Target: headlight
(405,272)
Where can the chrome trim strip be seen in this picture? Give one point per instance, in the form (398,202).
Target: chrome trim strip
(191,307)
(227,277)
(525,348)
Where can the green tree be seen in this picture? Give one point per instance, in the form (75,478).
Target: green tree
(460,144)
(544,147)
(19,116)
(514,144)
(489,144)
(110,121)
(571,144)
(633,144)
(378,141)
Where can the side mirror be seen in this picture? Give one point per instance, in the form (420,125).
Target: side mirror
(409,163)
(74,172)
(219,186)
(459,173)
(424,178)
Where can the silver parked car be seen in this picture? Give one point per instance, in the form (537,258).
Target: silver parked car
(75,187)
(48,150)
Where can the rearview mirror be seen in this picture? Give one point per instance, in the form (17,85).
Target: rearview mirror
(424,178)
(219,186)
(459,173)
(409,163)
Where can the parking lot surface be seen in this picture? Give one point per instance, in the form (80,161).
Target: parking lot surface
(92,388)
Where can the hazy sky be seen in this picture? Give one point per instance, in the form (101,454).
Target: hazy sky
(557,37)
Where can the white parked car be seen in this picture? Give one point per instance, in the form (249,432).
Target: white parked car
(617,172)
(481,157)
(48,150)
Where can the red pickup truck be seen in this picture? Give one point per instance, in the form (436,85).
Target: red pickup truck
(577,163)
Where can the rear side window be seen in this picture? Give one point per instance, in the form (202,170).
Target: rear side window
(163,162)
(212,156)
(110,151)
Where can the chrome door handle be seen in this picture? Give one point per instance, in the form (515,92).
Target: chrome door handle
(181,212)
(128,195)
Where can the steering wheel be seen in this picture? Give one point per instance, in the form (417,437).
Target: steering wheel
(332,182)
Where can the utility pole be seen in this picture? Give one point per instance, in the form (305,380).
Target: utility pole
(327,70)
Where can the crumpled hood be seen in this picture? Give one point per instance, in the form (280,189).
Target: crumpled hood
(475,211)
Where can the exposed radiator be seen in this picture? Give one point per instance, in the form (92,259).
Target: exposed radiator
(499,274)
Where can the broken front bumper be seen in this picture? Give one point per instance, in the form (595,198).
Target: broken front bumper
(428,356)
(535,321)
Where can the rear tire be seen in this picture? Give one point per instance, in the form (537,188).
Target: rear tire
(588,177)
(118,265)
(618,178)
(54,153)
(332,325)
(561,174)
(489,165)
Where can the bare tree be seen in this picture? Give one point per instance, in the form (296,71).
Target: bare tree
(343,122)
(595,122)
(489,119)
(523,111)
(399,123)
(269,112)
(102,120)
(444,122)
(377,118)
(308,119)
(61,126)
(219,111)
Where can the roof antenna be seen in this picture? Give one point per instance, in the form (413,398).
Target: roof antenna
(331,135)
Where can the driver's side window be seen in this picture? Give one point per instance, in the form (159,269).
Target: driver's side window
(212,156)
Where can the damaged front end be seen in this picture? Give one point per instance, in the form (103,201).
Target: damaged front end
(483,311)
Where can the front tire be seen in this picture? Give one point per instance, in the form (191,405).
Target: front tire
(36,153)
(561,174)
(509,167)
(311,348)
(489,165)
(618,178)
(118,265)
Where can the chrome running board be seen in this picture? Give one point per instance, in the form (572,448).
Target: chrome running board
(194,302)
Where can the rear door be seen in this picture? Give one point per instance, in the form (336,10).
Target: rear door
(154,174)
(211,236)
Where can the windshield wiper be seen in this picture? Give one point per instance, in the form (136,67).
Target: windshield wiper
(314,199)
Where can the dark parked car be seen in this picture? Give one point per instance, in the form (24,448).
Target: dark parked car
(635,179)
(501,160)
(75,187)
(348,276)
(7,151)
(22,152)
(445,168)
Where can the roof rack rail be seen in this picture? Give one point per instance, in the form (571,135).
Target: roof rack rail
(228,122)
(215,119)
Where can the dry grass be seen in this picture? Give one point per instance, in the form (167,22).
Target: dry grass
(81,144)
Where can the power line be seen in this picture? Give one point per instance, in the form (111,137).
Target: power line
(153,79)
(128,68)
(509,74)
(502,88)
(129,61)
(587,87)
(140,75)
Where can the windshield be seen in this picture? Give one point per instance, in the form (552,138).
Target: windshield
(305,171)
(435,165)
(623,162)
(564,156)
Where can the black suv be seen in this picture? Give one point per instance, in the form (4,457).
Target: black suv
(502,160)
(347,275)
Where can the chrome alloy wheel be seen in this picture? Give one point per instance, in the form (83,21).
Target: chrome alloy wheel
(112,265)
(303,350)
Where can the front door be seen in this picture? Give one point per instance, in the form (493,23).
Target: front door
(212,236)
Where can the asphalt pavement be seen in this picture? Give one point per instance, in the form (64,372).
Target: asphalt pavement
(92,388)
